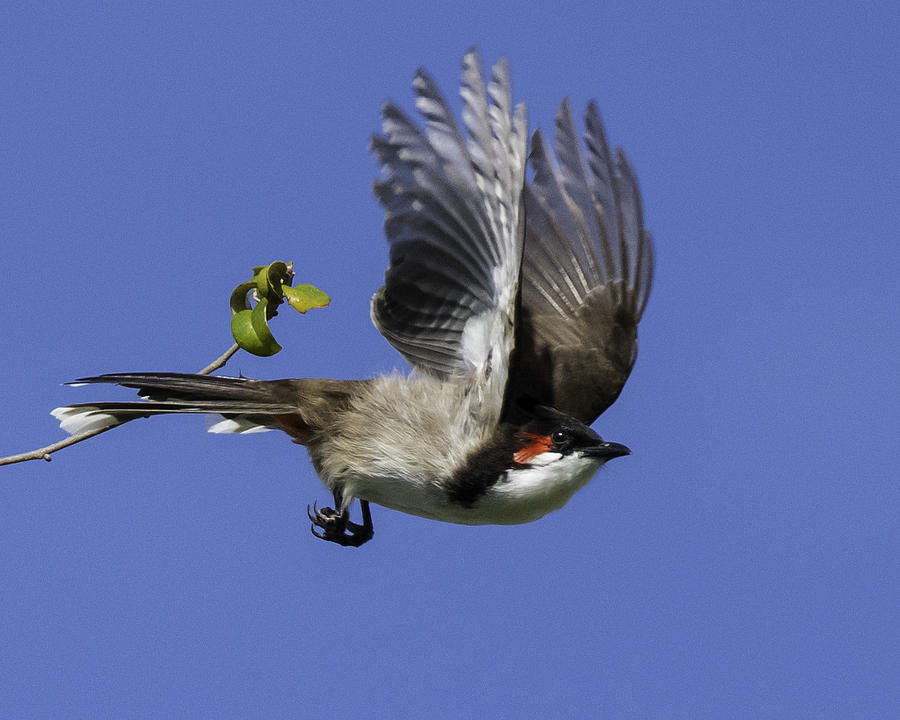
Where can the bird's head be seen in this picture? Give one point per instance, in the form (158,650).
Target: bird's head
(529,469)
(551,436)
(547,459)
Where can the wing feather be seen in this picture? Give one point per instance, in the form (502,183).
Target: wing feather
(460,251)
(452,205)
(587,272)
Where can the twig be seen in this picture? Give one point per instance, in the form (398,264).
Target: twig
(220,361)
(45,453)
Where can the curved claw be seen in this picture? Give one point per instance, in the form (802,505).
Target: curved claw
(336,526)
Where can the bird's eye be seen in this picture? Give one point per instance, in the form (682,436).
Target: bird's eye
(560,438)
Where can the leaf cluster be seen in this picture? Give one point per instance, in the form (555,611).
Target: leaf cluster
(255,302)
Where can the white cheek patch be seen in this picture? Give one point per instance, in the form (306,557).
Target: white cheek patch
(545,458)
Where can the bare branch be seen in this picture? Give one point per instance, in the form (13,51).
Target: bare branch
(220,361)
(45,453)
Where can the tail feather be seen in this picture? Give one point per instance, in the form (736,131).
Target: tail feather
(185,386)
(83,417)
(294,406)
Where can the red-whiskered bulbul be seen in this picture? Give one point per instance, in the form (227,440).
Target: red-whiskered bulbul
(516,302)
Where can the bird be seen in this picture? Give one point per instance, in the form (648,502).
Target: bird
(515,297)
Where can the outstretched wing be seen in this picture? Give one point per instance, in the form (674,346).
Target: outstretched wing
(452,208)
(587,272)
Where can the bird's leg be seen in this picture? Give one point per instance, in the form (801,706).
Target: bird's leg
(335,525)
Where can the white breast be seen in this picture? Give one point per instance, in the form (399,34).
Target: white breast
(527,494)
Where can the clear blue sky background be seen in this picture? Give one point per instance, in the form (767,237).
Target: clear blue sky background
(742,563)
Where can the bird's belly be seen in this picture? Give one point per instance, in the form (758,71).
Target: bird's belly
(522,499)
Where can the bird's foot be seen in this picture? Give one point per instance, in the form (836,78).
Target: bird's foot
(336,527)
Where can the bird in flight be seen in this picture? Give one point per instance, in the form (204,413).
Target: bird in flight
(516,301)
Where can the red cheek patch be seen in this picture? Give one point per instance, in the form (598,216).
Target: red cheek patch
(534,446)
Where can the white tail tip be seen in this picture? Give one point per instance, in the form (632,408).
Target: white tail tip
(75,420)
(240,425)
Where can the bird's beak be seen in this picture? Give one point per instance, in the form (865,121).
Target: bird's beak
(606,450)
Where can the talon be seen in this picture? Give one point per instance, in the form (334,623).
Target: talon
(336,527)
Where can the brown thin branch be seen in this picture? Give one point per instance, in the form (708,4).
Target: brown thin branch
(220,361)
(45,453)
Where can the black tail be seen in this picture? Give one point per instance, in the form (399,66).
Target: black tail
(246,405)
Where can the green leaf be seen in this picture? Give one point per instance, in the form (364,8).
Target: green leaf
(305,297)
(270,286)
(250,329)
(270,279)
(239,301)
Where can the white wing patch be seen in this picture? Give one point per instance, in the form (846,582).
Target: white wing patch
(477,341)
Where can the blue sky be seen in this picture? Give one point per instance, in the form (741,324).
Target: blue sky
(741,563)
